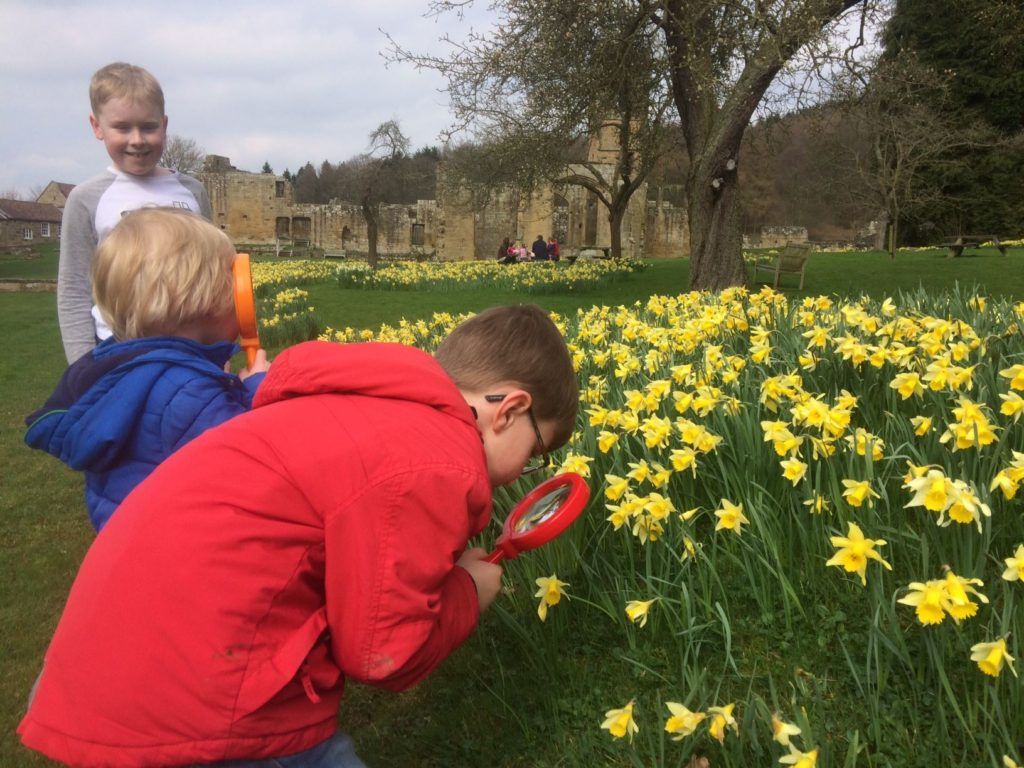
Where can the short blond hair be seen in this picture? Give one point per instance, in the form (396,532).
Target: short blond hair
(519,344)
(124,81)
(159,269)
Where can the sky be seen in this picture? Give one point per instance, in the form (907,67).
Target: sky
(257,81)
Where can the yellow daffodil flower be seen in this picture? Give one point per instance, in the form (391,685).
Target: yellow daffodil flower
(857,492)
(854,551)
(1015,373)
(681,722)
(783,731)
(722,718)
(817,505)
(990,657)
(1015,565)
(799,759)
(730,517)
(551,591)
(637,610)
(620,723)
(922,425)
(793,470)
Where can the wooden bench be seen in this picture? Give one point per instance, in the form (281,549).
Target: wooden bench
(791,260)
(956,247)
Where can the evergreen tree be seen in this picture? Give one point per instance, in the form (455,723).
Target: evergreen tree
(975,45)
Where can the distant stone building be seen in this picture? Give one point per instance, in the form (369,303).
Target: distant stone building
(55,193)
(24,223)
(259,208)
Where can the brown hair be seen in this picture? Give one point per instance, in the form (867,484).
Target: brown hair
(159,269)
(124,81)
(518,344)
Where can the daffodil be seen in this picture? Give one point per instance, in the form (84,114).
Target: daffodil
(933,491)
(606,440)
(722,718)
(617,486)
(854,551)
(857,492)
(551,591)
(1015,565)
(990,657)
(1015,373)
(928,598)
(793,470)
(817,505)
(959,591)
(730,517)
(908,385)
(799,759)
(637,610)
(783,731)
(619,722)
(922,425)
(681,722)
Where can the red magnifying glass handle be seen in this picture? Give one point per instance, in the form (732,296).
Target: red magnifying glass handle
(495,556)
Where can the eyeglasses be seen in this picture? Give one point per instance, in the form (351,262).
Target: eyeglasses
(544,459)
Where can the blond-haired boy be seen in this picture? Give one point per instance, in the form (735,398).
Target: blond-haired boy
(163,283)
(320,537)
(128,117)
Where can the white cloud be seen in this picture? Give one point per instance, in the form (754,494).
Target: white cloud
(256,81)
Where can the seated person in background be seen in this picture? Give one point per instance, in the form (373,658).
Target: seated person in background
(522,254)
(505,253)
(553,252)
(540,249)
(162,281)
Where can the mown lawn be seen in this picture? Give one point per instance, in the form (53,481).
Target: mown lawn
(460,716)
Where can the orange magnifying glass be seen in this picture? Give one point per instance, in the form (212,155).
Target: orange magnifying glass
(245,306)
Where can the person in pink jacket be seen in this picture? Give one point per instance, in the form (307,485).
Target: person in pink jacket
(319,537)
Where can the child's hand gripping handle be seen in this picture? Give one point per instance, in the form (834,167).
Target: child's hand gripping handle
(245,307)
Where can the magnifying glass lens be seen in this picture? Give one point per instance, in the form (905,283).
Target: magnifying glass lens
(542,509)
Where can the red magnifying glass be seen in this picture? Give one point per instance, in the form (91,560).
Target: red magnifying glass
(245,306)
(543,514)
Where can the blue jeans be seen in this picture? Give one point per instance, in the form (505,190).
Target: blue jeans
(337,752)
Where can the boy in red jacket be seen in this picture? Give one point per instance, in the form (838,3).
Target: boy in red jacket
(320,536)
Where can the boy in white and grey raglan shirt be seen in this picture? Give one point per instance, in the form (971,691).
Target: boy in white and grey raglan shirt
(128,117)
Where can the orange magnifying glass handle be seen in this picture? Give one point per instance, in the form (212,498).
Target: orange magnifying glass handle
(245,306)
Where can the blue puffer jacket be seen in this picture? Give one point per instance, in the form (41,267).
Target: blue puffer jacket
(121,410)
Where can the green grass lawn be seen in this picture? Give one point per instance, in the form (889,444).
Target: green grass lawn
(40,264)
(459,716)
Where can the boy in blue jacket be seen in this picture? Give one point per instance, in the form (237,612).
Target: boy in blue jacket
(162,280)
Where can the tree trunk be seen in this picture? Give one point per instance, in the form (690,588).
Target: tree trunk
(615,216)
(716,245)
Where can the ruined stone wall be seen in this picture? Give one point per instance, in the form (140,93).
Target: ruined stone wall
(248,205)
(777,237)
(259,208)
(667,231)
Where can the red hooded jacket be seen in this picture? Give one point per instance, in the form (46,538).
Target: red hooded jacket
(313,538)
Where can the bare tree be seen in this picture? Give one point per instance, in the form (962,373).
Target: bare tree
(912,129)
(378,173)
(10,194)
(183,154)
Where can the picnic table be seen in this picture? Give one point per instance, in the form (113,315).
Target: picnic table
(957,247)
